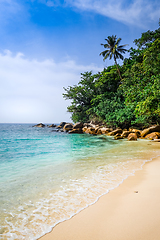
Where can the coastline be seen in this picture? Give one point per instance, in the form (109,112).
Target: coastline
(130,211)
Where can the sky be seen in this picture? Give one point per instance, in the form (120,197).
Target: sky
(45,45)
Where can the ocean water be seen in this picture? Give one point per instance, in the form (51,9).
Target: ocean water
(47,177)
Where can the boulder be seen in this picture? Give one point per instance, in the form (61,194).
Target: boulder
(125,134)
(97,128)
(132,137)
(61,125)
(99,131)
(153,135)
(118,137)
(52,125)
(67,127)
(105,130)
(93,125)
(84,128)
(86,125)
(90,130)
(113,133)
(138,132)
(39,125)
(146,131)
(76,130)
(78,125)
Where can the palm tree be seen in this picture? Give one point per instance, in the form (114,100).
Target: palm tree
(113,50)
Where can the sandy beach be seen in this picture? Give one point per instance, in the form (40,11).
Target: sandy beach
(130,211)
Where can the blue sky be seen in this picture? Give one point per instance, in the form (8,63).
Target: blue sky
(46,44)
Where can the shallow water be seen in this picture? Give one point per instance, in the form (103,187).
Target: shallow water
(47,177)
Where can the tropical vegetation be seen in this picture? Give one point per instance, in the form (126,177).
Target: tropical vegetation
(113,50)
(127,97)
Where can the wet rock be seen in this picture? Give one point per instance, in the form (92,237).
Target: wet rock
(147,131)
(67,127)
(118,130)
(52,126)
(132,137)
(138,132)
(61,125)
(87,125)
(99,131)
(91,130)
(84,128)
(153,135)
(105,130)
(40,125)
(77,130)
(78,125)
(125,134)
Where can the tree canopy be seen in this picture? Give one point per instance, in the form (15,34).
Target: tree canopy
(132,100)
(113,49)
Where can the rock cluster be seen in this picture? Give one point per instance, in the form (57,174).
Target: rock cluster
(151,133)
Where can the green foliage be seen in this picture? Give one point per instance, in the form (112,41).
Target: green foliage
(147,38)
(141,85)
(135,99)
(81,96)
(113,49)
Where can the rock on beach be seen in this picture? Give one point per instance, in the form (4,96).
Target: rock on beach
(40,125)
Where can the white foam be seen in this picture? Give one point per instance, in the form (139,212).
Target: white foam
(38,218)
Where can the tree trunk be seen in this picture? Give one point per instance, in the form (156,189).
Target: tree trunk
(117,68)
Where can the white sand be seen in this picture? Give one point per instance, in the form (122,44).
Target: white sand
(122,214)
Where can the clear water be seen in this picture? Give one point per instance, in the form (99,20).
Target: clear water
(47,177)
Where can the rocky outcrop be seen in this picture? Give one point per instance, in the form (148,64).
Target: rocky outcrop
(52,126)
(138,132)
(113,133)
(76,130)
(61,125)
(125,134)
(67,127)
(155,128)
(99,131)
(86,125)
(84,128)
(153,135)
(40,125)
(105,130)
(132,137)
(91,130)
(78,125)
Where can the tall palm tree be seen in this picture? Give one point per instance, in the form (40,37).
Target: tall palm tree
(113,50)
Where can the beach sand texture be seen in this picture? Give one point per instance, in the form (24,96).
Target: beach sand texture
(129,212)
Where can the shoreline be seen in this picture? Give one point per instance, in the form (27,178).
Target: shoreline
(130,211)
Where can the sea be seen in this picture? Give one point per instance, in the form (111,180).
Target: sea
(47,177)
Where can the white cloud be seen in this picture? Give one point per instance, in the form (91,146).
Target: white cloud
(136,12)
(31,91)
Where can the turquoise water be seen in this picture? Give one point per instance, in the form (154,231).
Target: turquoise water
(47,177)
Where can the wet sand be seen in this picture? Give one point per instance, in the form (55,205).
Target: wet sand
(130,211)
